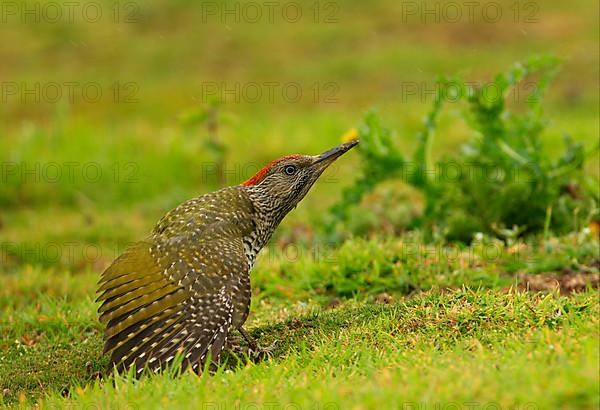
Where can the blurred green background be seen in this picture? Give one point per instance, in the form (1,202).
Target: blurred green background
(154,64)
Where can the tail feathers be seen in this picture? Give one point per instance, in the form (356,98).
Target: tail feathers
(155,342)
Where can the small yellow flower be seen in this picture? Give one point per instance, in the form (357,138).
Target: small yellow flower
(595,228)
(350,135)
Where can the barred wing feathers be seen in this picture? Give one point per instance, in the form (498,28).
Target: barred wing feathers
(172,294)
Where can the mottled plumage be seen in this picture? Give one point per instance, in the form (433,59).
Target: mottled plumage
(187,286)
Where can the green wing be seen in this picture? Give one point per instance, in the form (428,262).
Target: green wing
(168,295)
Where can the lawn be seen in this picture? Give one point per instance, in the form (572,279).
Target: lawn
(373,324)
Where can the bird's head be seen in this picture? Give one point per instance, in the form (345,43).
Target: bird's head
(285,181)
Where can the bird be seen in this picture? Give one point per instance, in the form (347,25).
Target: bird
(184,289)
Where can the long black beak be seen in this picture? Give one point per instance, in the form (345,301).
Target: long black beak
(332,154)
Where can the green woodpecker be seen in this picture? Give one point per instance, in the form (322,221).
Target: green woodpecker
(186,287)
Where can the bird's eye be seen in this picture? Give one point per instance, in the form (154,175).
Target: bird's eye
(289,170)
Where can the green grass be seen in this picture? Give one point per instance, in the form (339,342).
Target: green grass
(444,331)
(454,347)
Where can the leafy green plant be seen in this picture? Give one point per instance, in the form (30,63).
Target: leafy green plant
(501,179)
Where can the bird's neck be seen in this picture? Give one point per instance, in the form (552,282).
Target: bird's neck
(268,213)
